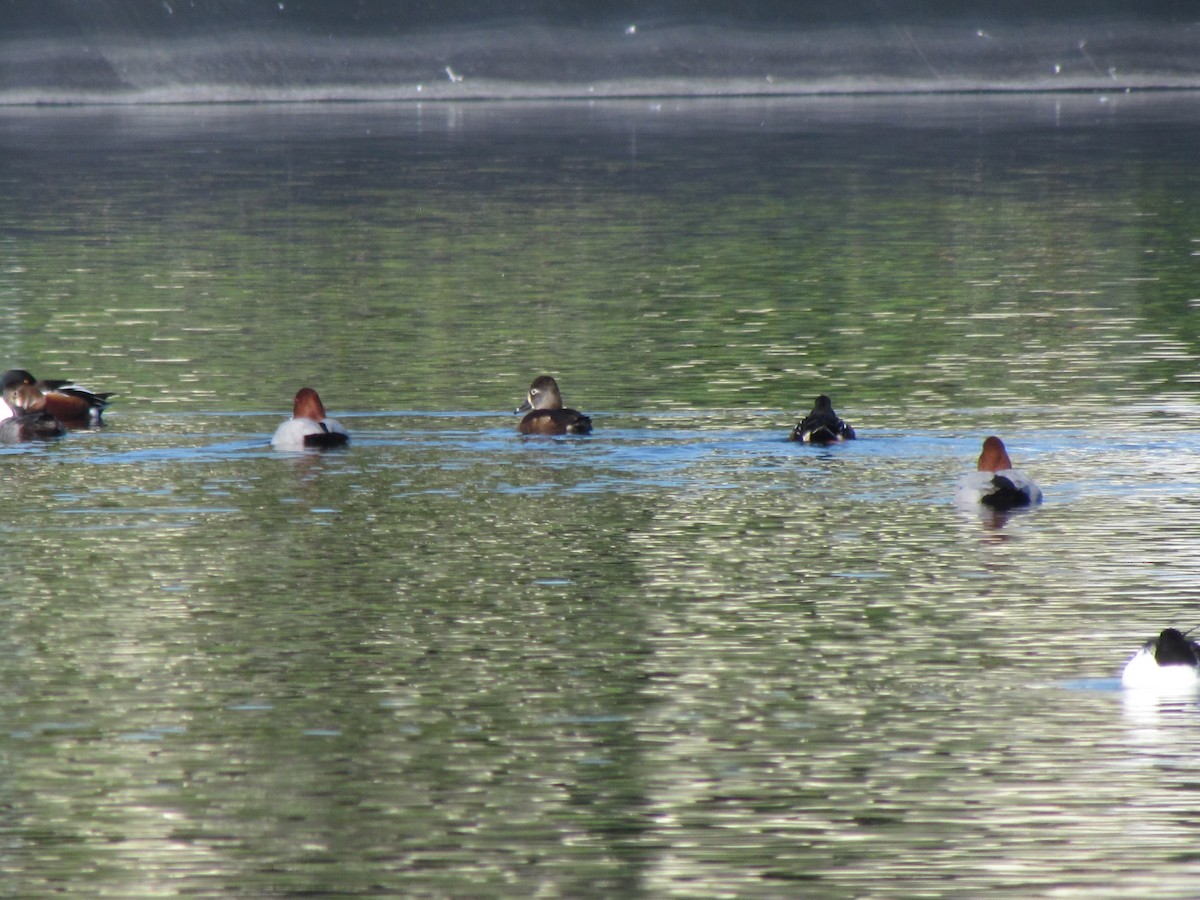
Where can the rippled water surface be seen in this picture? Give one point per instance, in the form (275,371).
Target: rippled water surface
(680,657)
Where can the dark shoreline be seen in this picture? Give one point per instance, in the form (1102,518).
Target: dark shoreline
(553,62)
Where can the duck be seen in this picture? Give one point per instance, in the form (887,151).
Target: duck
(70,404)
(545,413)
(995,483)
(1170,661)
(309,428)
(822,425)
(28,419)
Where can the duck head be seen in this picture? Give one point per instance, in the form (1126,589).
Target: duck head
(994,457)
(308,405)
(24,398)
(543,394)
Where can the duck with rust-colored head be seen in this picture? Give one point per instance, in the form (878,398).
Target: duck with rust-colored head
(545,414)
(28,420)
(822,425)
(995,483)
(309,428)
(1169,662)
(70,404)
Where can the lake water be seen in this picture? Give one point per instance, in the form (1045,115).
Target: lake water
(681,657)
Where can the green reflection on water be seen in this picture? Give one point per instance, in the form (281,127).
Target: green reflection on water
(745,265)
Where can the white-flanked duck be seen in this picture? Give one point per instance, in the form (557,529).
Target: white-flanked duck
(309,428)
(1169,662)
(995,483)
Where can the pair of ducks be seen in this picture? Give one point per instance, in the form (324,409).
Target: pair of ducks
(32,410)
(310,429)
(1169,663)
(995,484)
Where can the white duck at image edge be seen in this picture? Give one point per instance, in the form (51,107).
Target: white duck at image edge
(309,428)
(1169,662)
(995,483)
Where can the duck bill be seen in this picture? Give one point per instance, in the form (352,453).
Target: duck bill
(524,407)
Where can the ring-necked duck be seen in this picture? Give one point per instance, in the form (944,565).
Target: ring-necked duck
(544,412)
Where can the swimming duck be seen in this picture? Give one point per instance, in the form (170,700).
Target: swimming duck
(73,406)
(996,484)
(28,419)
(1170,661)
(822,425)
(544,412)
(309,428)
